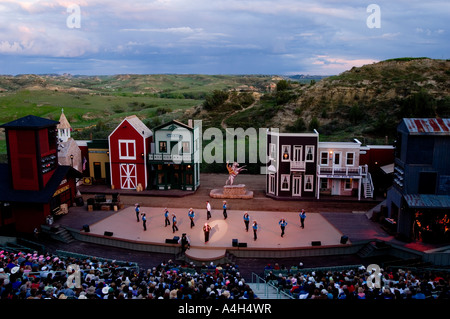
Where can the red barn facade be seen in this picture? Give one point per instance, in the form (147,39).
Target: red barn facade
(129,145)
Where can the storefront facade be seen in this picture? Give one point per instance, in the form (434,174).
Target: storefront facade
(174,157)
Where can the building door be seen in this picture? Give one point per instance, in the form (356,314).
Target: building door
(97,171)
(297,156)
(108,174)
(271,183)
(297,185)
(336,187)
(128,179)
(175,176)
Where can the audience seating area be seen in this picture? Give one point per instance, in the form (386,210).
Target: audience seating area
(29,273)
(358,282)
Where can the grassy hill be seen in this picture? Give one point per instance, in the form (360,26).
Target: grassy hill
(366,102)
(94,102)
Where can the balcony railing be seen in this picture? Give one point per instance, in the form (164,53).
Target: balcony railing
(298,166)
(185,158)
(342,171)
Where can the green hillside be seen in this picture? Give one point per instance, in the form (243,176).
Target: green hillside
(366,102)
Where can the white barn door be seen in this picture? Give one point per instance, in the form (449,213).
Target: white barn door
(128,179)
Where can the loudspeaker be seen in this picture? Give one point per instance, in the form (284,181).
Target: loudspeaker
(86,228)
(316,243)
(108,233)
(242,244)
(235,242)
(171,241)
(344,239)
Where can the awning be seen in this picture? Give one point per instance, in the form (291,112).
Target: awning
(388,169)
(428,201)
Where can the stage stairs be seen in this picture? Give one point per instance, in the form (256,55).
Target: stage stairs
(264,290)
(58,232)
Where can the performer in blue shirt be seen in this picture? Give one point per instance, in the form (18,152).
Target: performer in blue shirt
(144,221)
(191,215)
(225,210)
(166,217)
(246,220)
(302,218)
(174,222)
(282,224)
(255,229)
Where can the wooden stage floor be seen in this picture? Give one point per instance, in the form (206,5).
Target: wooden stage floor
(123,225)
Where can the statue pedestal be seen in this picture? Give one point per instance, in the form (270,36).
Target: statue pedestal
(232,191)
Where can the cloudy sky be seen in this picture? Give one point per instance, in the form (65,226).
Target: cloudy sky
(216,36)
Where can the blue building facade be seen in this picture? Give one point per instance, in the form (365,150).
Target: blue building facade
(418,203)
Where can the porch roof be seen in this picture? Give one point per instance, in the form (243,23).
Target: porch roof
(428,201)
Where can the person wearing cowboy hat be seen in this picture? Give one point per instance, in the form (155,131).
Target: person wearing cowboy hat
(174,223)
(191,215)
(137,209)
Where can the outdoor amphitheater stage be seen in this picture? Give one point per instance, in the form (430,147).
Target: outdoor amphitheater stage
(123,225)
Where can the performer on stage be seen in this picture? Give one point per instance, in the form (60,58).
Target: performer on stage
(282,224)
(246,220)
(174,222)
(255,229)
(208,210)
(137,209)
(166,217)
(302,218)
(206,230)
(185,243)
(224,209)
(191,215)
(144,221)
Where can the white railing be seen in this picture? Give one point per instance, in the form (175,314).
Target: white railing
(342,171)
(368,186)
(169,157)
(298,166)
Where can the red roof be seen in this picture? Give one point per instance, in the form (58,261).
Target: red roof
(428,126)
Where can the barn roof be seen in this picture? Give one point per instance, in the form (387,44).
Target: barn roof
(137,124)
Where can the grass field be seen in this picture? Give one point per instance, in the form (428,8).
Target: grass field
(94,105)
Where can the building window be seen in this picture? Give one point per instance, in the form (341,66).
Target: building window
(286,153)
(161,179)
(348,184)
(337,159)
(273,151)
(350,160)
(163,147)
(189,180)
(309,153)
(324,158)
(186,147)
(285,182)
(127,149)
(308,183)
(323,183)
